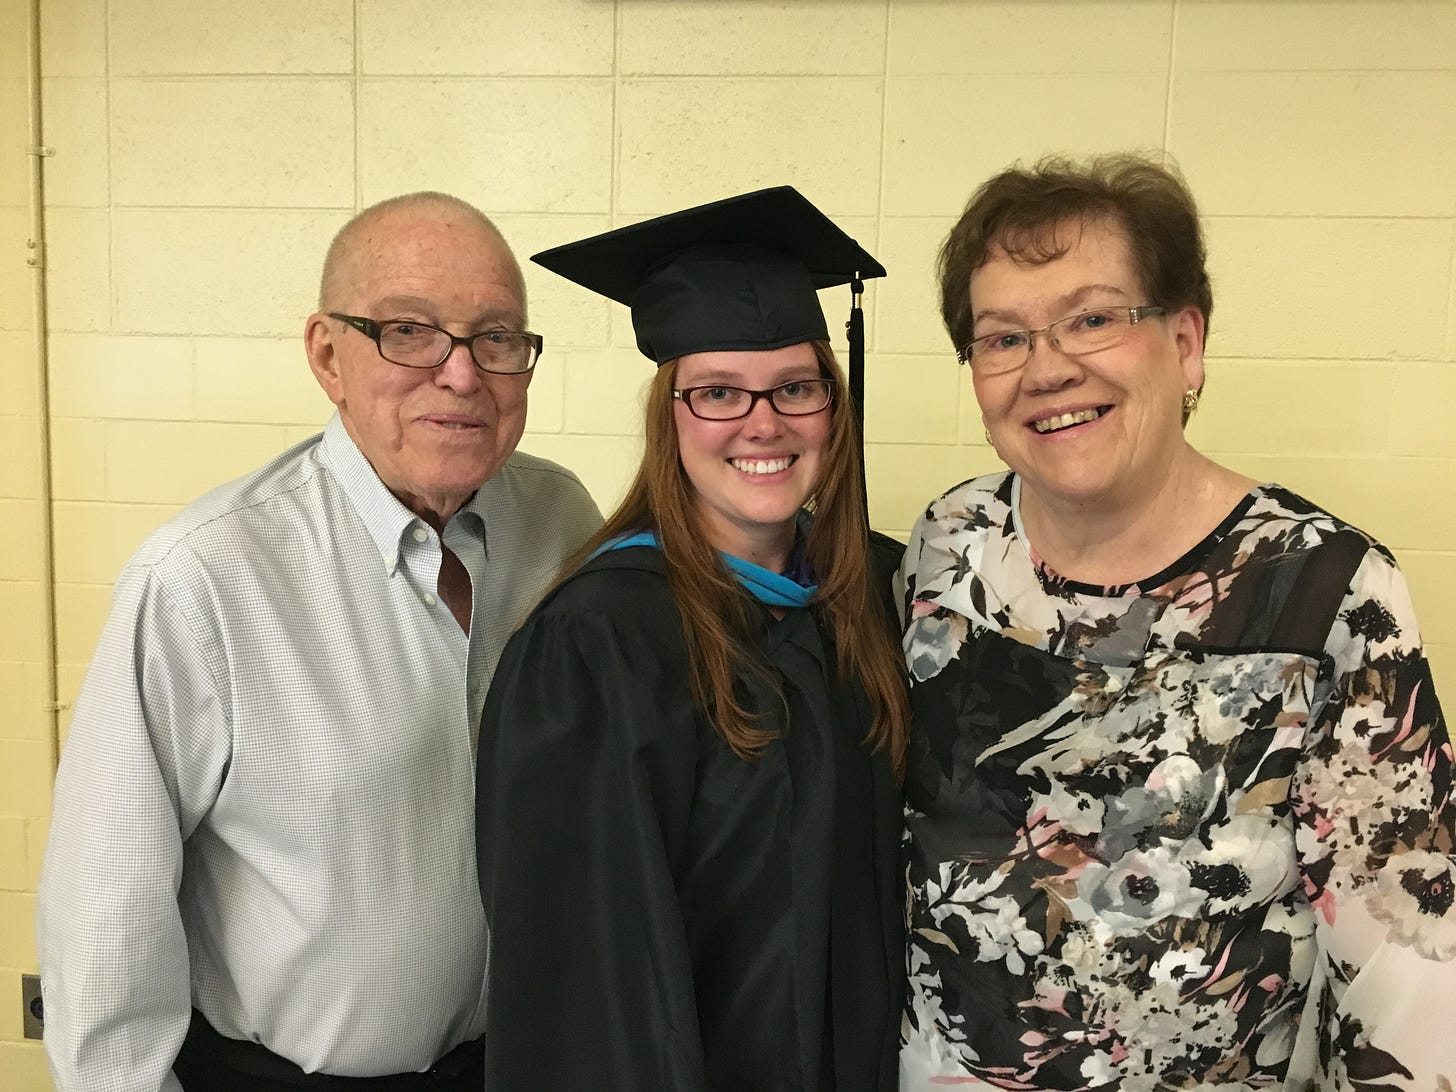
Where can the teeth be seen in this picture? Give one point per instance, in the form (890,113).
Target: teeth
(1066,420)
(761,466)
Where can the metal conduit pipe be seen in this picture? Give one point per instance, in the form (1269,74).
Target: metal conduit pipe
(36,153)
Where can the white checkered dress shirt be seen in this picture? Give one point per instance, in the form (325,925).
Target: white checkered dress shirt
(265,805)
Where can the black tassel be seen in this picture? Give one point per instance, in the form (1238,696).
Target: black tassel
(855,329)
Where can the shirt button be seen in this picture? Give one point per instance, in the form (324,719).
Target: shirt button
(429,600)
(420,534)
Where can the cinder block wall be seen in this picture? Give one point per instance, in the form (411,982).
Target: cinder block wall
(205,151)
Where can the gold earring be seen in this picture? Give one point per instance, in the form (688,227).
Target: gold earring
(987,433)
(1190,401)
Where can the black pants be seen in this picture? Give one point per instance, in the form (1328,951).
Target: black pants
(210,1062)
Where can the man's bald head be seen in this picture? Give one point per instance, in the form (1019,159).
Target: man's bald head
(433,435)
(351,249)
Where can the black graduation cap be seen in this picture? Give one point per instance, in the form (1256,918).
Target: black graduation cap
(740,273)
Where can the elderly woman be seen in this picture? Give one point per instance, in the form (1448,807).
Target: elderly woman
(1179,793)
(689,822)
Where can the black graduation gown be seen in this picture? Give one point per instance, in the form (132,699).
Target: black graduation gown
(664,915)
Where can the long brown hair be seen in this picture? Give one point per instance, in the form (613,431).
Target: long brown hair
(715,612)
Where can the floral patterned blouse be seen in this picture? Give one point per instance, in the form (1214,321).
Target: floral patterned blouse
(1191,833)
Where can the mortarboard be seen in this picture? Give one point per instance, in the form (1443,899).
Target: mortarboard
(740,273)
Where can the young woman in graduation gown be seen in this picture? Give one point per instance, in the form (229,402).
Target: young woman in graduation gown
(688,811)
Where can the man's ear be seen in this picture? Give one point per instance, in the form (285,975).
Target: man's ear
(323,358)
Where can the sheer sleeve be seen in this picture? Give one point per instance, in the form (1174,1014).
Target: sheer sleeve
(1376,813)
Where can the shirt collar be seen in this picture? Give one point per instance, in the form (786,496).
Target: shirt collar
(381,512)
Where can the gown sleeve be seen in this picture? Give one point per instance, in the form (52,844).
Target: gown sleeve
(1376,821)
(588,748)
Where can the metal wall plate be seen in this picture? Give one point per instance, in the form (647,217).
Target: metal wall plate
(33,1012)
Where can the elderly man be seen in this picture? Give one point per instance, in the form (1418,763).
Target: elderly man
(261,866)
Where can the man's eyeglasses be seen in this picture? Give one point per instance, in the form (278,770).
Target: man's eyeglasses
(796,398)
(420,345)
(1084,332)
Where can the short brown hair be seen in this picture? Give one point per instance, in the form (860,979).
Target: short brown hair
(1017,212)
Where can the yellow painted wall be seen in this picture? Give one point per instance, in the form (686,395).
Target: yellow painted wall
(25,722)
(206,150)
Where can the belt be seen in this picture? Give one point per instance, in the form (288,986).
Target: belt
(210,1060)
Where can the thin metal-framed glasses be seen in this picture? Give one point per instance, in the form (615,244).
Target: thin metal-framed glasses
(718,402)
(420,345)
(1084,332)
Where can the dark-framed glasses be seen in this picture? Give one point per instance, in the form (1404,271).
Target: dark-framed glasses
(420,345)
(1084,332)
(796,398)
